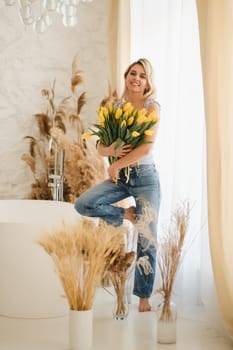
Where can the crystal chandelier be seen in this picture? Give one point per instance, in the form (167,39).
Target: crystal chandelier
(40,13)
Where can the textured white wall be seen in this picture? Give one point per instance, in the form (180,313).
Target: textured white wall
(28,63)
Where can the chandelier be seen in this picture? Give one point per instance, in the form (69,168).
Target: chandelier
(40,13)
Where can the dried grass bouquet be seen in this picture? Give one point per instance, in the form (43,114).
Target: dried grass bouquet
(81,254)
(169,254)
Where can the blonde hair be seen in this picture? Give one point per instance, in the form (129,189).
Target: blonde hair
(150,92)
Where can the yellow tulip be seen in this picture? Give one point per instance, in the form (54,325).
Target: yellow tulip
(153,116)
(86,135)
(142,112)
(105,111)
(123,123)
(142,119)
(149,132)
(110,107)
(130,121)
(118,113)
(135,134)
(128,107)
(101,117)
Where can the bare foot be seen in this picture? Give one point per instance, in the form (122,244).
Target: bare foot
(144,305)
(130,214)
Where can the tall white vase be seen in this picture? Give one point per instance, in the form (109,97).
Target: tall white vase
(80,329)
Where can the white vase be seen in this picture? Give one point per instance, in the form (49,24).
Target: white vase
(166,323)
(80,329)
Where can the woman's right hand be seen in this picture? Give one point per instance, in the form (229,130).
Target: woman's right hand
(107,151)
(121,151)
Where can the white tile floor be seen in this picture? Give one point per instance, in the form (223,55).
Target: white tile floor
(137,332)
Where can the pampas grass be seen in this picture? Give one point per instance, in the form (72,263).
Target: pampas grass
(169,254)
(61,121)
(81,254)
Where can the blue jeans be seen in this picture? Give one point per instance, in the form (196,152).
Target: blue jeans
(144,186)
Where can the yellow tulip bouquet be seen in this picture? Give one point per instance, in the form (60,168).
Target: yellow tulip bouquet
(122,125)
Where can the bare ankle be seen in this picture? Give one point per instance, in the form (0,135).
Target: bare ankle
(144,305)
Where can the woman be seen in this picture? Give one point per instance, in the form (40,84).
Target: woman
(143,183)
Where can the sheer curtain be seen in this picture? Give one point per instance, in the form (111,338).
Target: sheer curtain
(119,42)
(216,34)
(166,32)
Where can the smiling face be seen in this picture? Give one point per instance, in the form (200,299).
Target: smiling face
(136,80)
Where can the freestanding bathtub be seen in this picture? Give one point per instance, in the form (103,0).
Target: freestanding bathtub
(29,286)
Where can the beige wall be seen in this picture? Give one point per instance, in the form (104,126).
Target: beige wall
(30,62)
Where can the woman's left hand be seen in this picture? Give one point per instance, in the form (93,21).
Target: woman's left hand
(113,173)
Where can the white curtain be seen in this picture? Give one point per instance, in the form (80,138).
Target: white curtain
(123,42)
(119,42)
(216,34)
(166,32)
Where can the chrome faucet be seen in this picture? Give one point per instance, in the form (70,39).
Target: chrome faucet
(56,179)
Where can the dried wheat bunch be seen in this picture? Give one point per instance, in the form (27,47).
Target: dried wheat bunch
(79,253)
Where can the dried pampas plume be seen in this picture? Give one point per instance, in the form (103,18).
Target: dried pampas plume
(76,78)
(81,102)
(30,161)
(36,159)
(44,123)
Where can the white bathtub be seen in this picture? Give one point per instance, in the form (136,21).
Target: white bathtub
(29,286)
